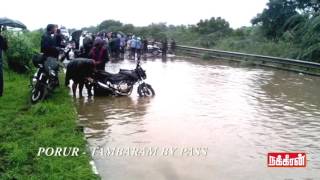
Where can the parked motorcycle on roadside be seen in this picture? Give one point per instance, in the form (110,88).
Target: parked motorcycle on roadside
(46,78)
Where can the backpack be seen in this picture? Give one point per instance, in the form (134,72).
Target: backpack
(133,43)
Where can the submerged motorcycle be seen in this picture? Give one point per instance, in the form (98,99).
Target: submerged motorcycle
(122,83)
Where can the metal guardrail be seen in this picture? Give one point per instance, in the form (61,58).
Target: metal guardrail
(306,67)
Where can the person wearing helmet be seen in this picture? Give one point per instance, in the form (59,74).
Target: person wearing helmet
(99,54)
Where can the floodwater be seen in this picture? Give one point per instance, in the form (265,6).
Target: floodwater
(209,120)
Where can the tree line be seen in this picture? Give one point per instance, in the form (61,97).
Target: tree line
(285,28)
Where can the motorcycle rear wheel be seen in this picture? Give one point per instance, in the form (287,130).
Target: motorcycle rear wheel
(145,90)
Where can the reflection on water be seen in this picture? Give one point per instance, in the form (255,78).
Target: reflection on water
(239,113)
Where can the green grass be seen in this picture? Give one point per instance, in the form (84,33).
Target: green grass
(25,128)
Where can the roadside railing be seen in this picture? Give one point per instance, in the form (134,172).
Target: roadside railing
(306,67)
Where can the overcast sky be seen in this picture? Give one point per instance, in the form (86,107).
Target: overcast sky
(78,13)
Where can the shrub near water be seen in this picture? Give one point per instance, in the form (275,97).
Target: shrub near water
(20,51)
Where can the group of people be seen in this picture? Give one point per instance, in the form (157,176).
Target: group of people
(53,41)
(96,49)
(80,69)
(116,44)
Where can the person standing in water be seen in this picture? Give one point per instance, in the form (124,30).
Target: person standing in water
(133,45)
(99,54)
(173,46)
(164,47)
(138,47)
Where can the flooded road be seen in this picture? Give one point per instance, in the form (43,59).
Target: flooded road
(222,119)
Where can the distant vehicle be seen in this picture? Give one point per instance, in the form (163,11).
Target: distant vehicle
(154,50)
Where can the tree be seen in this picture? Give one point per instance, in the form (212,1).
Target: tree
(110,25)
(90,29)
(213,25)
(158,30)
(308,6)
(274,17)
(306,34)
(128,28)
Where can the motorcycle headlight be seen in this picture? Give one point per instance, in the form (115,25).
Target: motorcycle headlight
(34,81)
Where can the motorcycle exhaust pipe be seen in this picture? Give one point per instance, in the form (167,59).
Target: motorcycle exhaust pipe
(104,85)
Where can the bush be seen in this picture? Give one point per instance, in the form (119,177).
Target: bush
(20,51)
(35,38)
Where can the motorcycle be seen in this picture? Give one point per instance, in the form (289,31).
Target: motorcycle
(154,50)
(122,83)
(46,79)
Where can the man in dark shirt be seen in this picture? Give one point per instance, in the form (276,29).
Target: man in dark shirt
(3,47)
(49,46)
(59,39)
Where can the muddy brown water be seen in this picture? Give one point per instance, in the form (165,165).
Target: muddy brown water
(218,119)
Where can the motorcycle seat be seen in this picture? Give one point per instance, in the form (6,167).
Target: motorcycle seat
(125,71)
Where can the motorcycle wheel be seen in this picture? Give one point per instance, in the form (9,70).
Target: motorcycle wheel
(145,90)
(38,94)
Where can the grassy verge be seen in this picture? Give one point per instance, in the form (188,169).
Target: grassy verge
(24,128)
